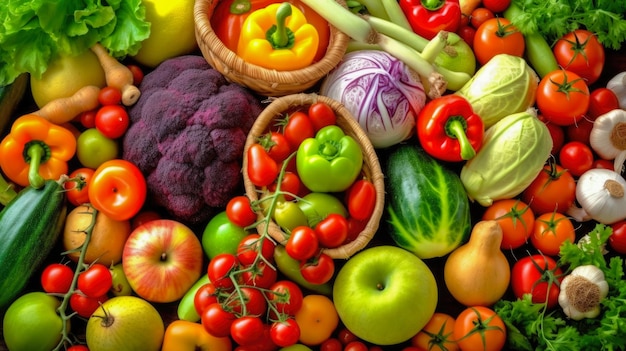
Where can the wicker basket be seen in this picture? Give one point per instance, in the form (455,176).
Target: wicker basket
(371,166)
(262,80)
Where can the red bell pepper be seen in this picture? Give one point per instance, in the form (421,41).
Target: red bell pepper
(228,17)
(428,17)
(449,130)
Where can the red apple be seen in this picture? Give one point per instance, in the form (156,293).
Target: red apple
(162,259)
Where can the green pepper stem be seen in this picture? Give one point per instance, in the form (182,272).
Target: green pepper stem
(455,128)
(36,153)
(7,193)
(433,5)
(240,7)
(280,37)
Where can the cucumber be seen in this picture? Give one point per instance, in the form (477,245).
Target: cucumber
(427,209)
(30,226)
(10,97)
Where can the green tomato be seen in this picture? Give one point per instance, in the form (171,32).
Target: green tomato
(316,206)
(31,323)
(288,215)
(221,236)
(93,148)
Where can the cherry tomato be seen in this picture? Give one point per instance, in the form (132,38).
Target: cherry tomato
(240,212)
(557,133)
(579,131)
(250,246)
(550,231)
(479,328)
(516,219)
(346,336)
(332,231)
(539,276)
(576,157)
(290,184)
(112,121)
(554,189)
(85,306)
(220,268)
(361,199)
(355,346)
(602,163)
(262,170)
(467,33)
(78,191)
(204,296)
(143,217)
(580,52)
(246,330)
(496,6)
(285,333)
(95,281)
(260,275)
(286,297)
(617,240)
(118,189)
(78,348)
(331,344)
(277,146)
(88,118)
(436,335)
(562,97)
(216,321)
(601,101)
(321,115)
(355,227)
(479,15)
(109,96)
(298,126)
(57,278)
(497,36)
(302,243)
(253,301)
(319,269)
(137,74)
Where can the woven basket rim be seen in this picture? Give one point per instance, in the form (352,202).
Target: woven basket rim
(371,166)
(264,81)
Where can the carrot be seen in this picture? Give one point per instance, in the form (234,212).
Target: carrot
(63,110)
(117,75)
(467,6)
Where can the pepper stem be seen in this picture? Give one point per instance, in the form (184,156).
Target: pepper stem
(36,155)
(280,36)
(7,192)
(455,128)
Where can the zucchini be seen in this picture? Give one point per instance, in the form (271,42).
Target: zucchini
(30,226)
(10,97)
(427,209)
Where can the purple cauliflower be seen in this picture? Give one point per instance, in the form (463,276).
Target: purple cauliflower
(187,135)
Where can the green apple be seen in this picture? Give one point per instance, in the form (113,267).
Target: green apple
(458,56)
(221,236)
(385,294)
(93,148)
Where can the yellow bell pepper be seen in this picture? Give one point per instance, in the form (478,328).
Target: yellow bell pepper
(36,150)
(278,37)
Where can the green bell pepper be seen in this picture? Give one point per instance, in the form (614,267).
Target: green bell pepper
(329,162)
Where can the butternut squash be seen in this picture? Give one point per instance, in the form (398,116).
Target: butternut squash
(117,75)
(63,110)
(478,273)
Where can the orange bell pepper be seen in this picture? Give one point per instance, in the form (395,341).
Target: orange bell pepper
(182,335)
(278,37)
(36,150)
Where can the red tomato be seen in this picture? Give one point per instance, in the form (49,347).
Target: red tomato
(246,330)
(319,269)
(345,336)
(250,246)
(78,191)
(516,219)
(137,74)
(286,297)
(496,6)
(302,244)
(216,321)
(539,276)
(576,157)
(112,121)
(550,231)
(557,134)
(78,348)
(579,131)
(601,101)
(109,96)
(88,118)
(321,115)
(118,189)
(497,36)
(260,275)
(331,344)
(57,278)
(85,306)
(285,333)
(479,328)
(262,170)
(562,97)
(617,240)
(355,227)
(144,216)
(467,33)
(554,189)
(95,281)
(601,163)
(204,296)
(290,184)
(361,199)
(355,346)
(332,231)
(240,212)
(436,334)
(277,146)
(220,268)
(479,15)
(297,127)
(251,298)
(580,52)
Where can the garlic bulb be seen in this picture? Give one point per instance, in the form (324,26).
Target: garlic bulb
(617,84)
(581,292)
(608,135)
(600,193)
